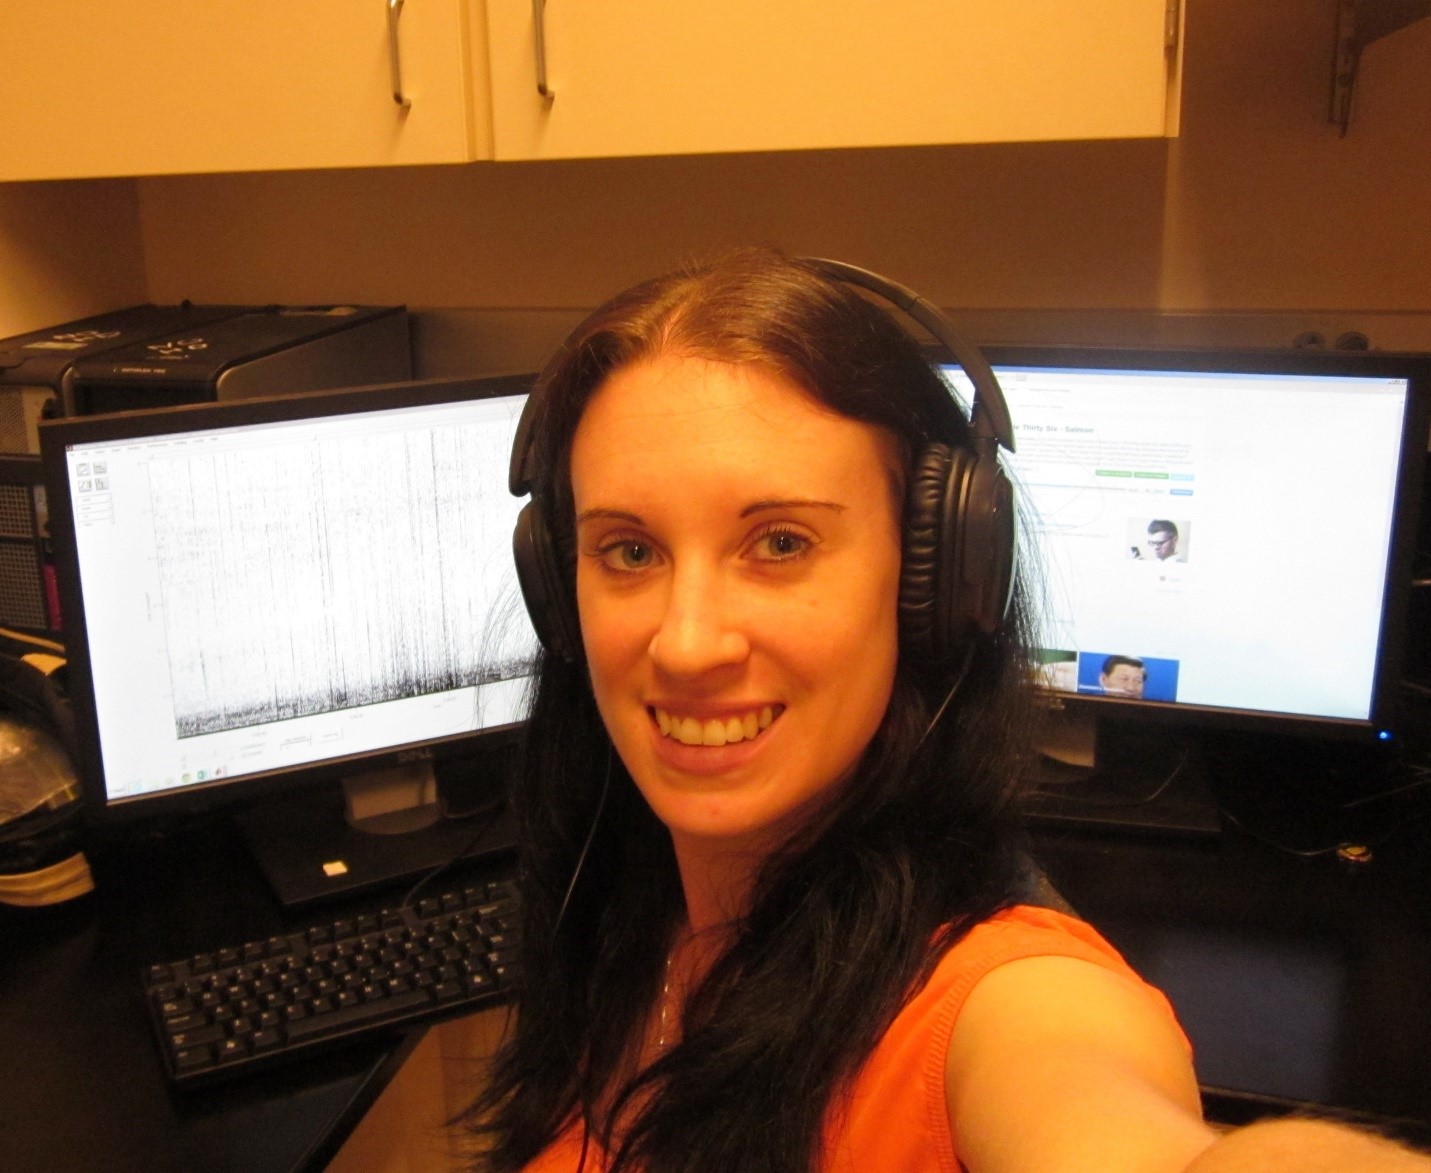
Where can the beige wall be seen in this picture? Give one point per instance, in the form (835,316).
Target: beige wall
(1268,205)
(67,250)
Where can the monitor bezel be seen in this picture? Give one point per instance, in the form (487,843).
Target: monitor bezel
(1386,710)
(56,435)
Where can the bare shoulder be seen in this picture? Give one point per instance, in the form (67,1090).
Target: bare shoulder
(1060,1065)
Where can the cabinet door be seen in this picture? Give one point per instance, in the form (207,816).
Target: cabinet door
(136,87)
(640,77)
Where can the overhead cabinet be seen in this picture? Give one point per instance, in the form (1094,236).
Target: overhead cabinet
(146,87)
(113,87)
(652,77)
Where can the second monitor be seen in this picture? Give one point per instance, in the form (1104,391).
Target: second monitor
(271,594)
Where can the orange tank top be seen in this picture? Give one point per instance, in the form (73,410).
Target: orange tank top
(895,1118)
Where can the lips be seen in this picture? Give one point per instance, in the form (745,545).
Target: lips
(728,729)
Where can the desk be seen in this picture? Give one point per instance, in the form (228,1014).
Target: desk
(1298,981)
(1301,982)
(81,1086)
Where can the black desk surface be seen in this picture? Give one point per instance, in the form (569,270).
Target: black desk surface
(1299,981)
(81,1086)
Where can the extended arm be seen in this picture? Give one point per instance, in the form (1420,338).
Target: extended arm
(1059,1066)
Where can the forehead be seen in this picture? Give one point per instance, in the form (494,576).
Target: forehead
(695,420)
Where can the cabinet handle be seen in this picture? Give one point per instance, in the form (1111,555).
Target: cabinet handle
(539,25)
(394,57)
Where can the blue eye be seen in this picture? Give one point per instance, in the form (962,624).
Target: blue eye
(628,555)
(781,545)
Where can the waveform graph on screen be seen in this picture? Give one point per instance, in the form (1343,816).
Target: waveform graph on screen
(314,576)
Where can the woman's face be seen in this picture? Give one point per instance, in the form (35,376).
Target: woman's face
(737,580)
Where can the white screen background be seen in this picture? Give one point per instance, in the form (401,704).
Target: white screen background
(1283,488)
(285,593)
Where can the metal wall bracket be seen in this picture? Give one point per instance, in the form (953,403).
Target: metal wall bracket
(1359,23)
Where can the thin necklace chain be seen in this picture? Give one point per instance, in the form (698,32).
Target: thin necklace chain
(665,1004)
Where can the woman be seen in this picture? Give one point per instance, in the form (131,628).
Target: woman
(771,869)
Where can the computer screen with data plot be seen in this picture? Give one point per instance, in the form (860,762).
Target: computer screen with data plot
(271,594)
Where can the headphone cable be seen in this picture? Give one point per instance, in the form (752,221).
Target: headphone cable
(949,696)
(586,846)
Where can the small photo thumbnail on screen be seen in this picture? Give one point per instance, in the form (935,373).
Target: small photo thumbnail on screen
(1056,669)
(1130,677)
(1158,539)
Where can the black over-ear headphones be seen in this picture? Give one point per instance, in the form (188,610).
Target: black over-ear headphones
(959,540)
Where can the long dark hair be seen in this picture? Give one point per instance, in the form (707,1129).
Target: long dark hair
(845,923)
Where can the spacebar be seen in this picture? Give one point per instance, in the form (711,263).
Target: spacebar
(363,1014)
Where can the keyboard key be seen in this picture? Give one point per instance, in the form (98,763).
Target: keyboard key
(265,1039)
(193,1059)
(448,991)
(181,1040)
(231,1049)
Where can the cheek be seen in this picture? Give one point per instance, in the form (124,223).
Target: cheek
(615,634)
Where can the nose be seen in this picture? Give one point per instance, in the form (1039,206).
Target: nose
(697,632)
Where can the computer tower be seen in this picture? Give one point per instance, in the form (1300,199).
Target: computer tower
(275,350)
(37,369)
(29,601)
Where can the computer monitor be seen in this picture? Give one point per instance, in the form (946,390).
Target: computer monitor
(1223,541)
(264,597)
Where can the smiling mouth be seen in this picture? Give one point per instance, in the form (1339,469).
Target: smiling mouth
(716,731)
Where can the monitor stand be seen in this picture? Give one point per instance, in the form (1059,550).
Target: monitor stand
(328,841)
(1103,775)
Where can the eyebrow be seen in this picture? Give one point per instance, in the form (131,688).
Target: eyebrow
(607,515)
(789,503)
(754,507)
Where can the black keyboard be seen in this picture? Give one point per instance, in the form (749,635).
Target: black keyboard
(236,1010)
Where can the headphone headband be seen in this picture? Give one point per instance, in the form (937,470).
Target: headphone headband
(989,414)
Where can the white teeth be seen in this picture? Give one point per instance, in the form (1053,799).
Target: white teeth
(715,732)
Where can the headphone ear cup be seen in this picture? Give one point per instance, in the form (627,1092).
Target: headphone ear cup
(977,569)
(919,572)
(543,588)
(958,566)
